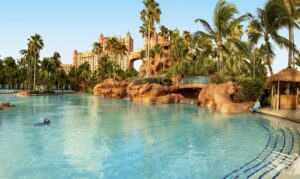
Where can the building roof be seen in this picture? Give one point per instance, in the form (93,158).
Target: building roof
(285,75)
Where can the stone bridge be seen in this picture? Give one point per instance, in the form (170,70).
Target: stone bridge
(133,56)
(194,82)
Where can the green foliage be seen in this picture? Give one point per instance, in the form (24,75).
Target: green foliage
(154,80)
(250,90)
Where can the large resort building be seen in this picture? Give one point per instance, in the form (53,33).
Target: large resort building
(91,58)
(125,63)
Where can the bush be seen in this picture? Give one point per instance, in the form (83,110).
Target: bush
(154,80)
(250,89)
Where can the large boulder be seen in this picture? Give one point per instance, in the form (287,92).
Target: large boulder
(172,98)
(5,105)
(24,93)
(152,93)
(111,89)
(218,97)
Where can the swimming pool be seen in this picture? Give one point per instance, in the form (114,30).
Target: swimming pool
(93,137)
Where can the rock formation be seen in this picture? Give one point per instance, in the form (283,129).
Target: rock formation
(153,93)
(111,89)
(143,93)
(5,105)
(24,93)
(218,96)
(156,64)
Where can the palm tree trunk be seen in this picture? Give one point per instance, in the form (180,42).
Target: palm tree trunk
(254,64)
(148,51)
(34,71)
(291,52)
(268,59)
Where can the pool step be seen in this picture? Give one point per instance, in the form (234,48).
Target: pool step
(282,150)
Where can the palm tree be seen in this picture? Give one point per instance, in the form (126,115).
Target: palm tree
(1,74)
(265,27)
(292,11)
(97,50)
(112,46)
(47,67)
(224,24)
(56,59)
(256,62)
(164,32)
(10,69)
(150,16)
(26,61)
(121,50)
(35,45)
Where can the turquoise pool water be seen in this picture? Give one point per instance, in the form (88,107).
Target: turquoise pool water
(92,137)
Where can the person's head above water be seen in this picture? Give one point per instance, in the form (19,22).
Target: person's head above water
(47,121)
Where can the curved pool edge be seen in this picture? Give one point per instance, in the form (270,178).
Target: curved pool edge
(279,162)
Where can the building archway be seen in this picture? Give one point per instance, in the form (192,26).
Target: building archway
(135,63)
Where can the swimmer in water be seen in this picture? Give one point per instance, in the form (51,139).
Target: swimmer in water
(46,122)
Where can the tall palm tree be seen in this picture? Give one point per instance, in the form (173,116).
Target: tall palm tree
(265,27)
(26,61)
(224,23)
(256,62)
(35,45)
(292,10)
(97,50)
(150,16)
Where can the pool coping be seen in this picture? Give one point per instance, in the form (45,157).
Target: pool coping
(291,115)
(293,172)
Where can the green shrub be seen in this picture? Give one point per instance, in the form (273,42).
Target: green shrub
(250,89)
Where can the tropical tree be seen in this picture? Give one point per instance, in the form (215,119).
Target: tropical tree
(121,51)
(292,16)
(256,62)
(224,22)
(265,27)
(150,16)
(27,63)
(35,45)
(47,68)
(1,73)
(164,32)
(56,58)
(97,48)
(112,46)
(97,51)
(10,69)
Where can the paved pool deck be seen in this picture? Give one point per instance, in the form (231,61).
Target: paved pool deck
(293,115)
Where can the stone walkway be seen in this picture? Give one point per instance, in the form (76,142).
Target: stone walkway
(293,115)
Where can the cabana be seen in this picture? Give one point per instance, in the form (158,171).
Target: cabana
(285,89)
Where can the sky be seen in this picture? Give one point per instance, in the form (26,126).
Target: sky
(66,25)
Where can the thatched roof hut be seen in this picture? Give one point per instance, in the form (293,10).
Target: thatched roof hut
(285,92)
(285,75)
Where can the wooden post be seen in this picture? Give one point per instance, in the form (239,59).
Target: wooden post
(297,98)
(272,96)
(278,95)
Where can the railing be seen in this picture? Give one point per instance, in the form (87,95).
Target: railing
(63,91)
(8,91)
(195,80)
